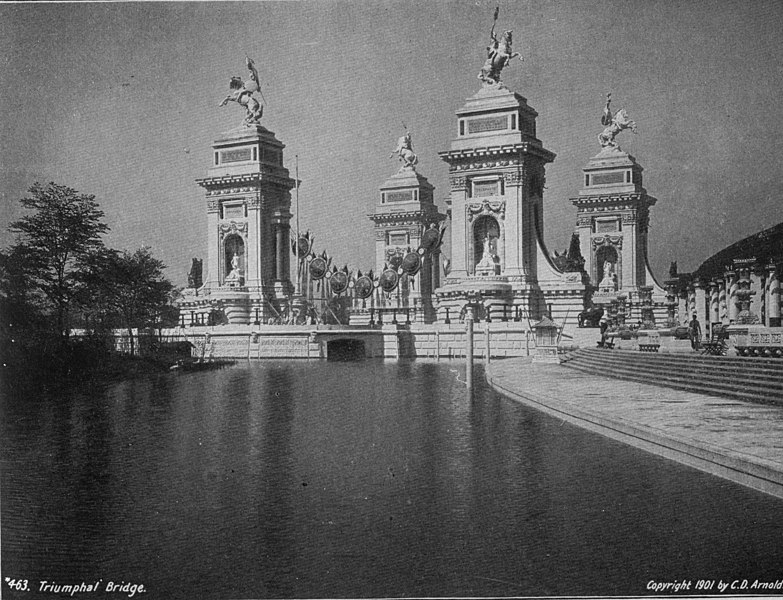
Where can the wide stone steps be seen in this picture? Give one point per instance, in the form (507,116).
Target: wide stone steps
(755,380)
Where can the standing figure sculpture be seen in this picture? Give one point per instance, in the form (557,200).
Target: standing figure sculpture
(499,54)
(608,281)
(235,275)
(242,94)
(404,152)
(614,125)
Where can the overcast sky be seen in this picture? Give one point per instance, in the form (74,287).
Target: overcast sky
(121,101)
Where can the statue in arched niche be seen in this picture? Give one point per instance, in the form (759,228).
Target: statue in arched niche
(235,275)
(609,280)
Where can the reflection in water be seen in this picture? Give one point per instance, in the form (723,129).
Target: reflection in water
(314,479)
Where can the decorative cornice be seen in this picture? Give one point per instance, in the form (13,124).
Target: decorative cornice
(408,217)
(266,175)
(496,151)
(633,198)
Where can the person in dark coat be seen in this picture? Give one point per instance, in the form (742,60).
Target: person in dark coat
(694,332)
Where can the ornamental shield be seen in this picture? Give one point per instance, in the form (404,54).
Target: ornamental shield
(430,239)
(388,280)
(302,249)
(411,263)
(317,268)
(338,282)
(363,287)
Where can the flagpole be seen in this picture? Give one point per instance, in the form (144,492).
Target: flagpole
(298,274)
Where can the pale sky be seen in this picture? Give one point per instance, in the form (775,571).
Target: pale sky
(121,101)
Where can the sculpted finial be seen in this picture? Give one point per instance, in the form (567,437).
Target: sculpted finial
(614,125)
(499,54)
(242,94)
(404,152)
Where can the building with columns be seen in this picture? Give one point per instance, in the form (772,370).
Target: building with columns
(738,286)
(248,201)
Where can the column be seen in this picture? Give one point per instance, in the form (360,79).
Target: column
(714,304)
(723,310)
(280,251)
(286,252)
(700,304)
(731,295)
(758,299)
(773,296)
(682,307)
(671,302)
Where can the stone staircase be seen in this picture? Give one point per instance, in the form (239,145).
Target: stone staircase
(750,379)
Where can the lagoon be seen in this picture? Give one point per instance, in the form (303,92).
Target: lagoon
(371,479)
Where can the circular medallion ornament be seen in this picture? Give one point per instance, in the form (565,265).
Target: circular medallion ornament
(430,239)
(303,247)
(338,282)
(317,268)
(411,263)
(388,280)
(363,287)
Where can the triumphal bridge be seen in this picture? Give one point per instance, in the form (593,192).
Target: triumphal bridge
(266,290)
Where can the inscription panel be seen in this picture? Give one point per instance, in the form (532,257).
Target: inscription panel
(483,189)
(234,212)
(606,226)
(405,196)
(487,124)
(607,178)
(237,155)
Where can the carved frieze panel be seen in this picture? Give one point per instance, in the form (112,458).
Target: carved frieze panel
(608,240)
(212,205)
(584,221)
(232,228)
(514,178)
(458,183)
(495,208)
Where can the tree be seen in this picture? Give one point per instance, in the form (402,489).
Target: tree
(55,243)
(133,286)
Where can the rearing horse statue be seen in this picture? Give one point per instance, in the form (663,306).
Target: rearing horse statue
(404,152)
(499,54)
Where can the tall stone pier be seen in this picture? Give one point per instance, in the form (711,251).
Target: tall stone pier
(248,202)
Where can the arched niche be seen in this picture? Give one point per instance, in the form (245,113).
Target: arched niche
(233,245)
(485,227)
(603,255)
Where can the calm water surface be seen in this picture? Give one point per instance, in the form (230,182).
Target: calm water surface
(313,479)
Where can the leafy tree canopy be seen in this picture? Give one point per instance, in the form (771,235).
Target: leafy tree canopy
(55,242)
